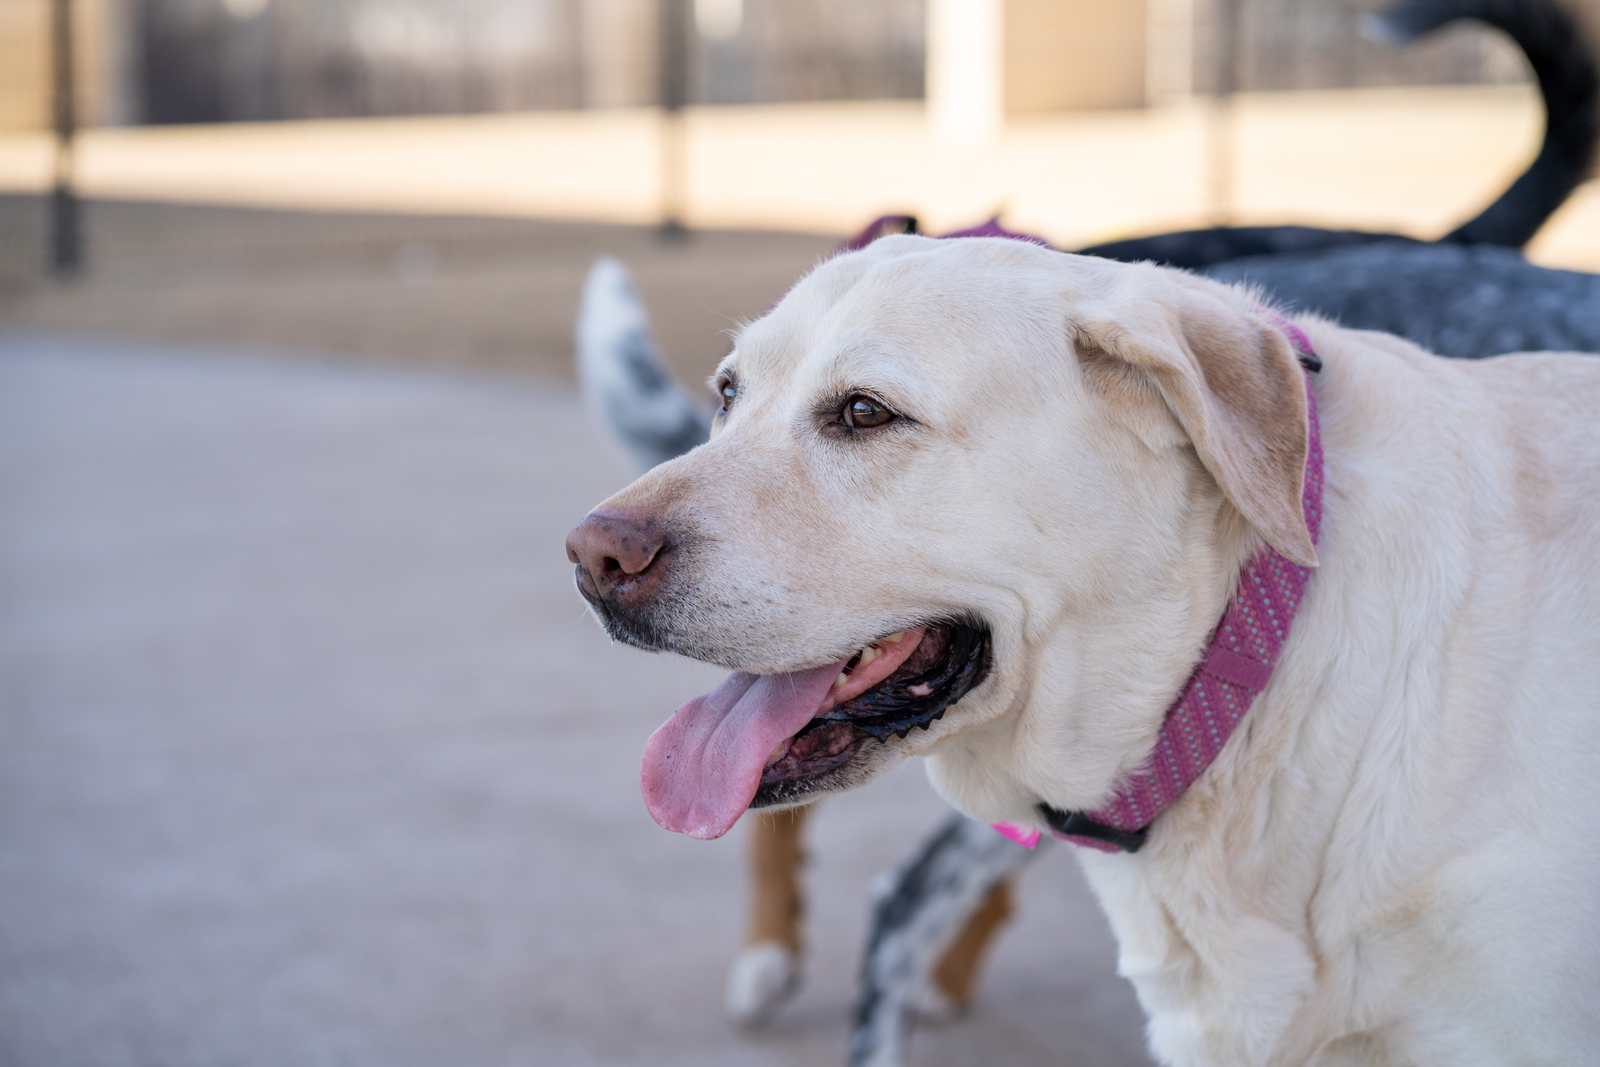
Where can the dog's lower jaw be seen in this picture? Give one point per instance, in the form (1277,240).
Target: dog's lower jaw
(626,630)
(853,742)
(641,630)
(867,759)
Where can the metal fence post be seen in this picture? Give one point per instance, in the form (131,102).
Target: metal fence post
(1225,53)
(66,238)
(674,53)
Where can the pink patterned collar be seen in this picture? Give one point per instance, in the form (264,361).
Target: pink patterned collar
(1237,665)
(1238,662)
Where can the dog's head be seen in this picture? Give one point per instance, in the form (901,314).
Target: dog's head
(974,499)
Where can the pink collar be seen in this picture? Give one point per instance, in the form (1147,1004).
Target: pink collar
(1238,662)
(1237,665)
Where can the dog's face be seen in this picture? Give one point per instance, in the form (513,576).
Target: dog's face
(968,498)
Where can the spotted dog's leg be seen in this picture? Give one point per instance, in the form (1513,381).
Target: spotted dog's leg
(934,913)
(766,973)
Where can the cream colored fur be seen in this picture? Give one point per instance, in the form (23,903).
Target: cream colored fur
(1396,859)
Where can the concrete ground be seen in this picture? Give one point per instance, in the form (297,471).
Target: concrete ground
(312,757)
(447,291)
(310,754)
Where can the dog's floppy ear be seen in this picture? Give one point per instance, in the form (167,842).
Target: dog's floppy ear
(1232,382)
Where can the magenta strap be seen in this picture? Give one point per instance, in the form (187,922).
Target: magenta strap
(1238,662)
(1237,665)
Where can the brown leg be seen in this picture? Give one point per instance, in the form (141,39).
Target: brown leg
(766,972)
(957,972)
(777,846)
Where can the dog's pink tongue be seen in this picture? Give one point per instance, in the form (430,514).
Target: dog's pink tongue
(702,767)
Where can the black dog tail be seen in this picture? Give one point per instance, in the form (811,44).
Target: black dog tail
(1555,47)
(1556,50)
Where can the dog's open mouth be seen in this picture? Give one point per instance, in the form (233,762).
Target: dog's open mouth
(911,687)
(768,739)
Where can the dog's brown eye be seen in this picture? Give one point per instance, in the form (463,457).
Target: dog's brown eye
(863,412)
(727,391)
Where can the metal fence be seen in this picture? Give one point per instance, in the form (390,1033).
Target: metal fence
(1318,44)
(221,60)
(178,61)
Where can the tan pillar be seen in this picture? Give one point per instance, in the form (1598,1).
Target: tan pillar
(991,58)
(965,70)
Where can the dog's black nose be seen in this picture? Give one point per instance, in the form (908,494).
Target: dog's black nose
(613,551)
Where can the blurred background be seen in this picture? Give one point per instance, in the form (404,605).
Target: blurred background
(377,176)
(309,752)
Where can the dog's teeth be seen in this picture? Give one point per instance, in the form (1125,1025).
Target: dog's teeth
(894,639)
(868,654)
(838,683)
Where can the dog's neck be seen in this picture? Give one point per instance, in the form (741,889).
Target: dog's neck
(1235,668)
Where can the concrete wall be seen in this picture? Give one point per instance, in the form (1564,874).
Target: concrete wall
(983,59)
(991,58)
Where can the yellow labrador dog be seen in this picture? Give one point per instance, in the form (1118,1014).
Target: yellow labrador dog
(989,503)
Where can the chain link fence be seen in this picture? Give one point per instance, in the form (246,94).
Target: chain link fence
(226,60)
(186,61)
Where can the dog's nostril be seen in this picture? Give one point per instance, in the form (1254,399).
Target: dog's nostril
(614,548)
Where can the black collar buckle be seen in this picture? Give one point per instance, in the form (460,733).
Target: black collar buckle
(1077,824)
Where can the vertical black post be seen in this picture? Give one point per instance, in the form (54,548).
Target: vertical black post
(1225,45)
(66,244)
(674,95)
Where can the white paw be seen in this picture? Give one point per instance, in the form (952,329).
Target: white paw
(762,977)
(935,1008)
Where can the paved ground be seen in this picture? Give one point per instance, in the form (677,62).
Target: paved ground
(448,291)
(311,757)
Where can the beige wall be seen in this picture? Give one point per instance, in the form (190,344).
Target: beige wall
(1067,55)
(25,63)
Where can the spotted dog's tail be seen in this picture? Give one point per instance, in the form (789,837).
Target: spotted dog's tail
(624,378)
